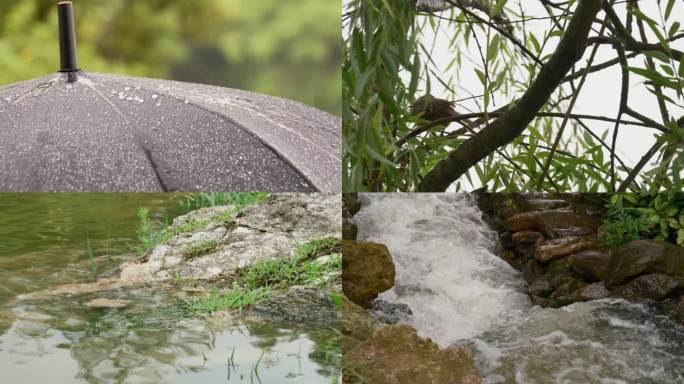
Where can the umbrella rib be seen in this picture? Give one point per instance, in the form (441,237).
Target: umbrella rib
(146,151)
(148,155)
(254,135)
(44,86)
(333,156)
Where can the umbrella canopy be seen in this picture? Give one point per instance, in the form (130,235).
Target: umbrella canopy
(80,131)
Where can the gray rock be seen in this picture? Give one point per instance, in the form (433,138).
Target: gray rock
(647,287)
(202,214)
(390,313)
(299,305)
(541,288)
(273,228)
(641,257)
(594,291)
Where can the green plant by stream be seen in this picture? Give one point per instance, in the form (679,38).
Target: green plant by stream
(643,216)
(152,233)
(259,280)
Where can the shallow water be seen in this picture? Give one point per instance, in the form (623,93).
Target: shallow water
(461,293)
(153,340)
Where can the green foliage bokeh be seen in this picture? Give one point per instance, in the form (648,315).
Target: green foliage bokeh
(287,48)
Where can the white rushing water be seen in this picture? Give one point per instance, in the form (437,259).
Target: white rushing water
(446,270)
(461,292)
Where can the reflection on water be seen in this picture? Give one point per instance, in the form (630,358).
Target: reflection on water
(60,340)
(33,222)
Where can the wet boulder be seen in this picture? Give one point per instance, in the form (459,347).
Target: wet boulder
(395,354)
(350,204)
(595,291)
(356,322)
(553,223)
(540,288)
(641,257)
(655,286)
(526,236)
(675,308)
(566,293)
(532,271)
(547,250)
(367,270)
(591,264)
(349,230)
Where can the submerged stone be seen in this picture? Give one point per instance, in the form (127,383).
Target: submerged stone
(107,303)
(395,354)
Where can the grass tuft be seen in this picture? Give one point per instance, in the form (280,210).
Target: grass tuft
(298,270)
(235,299)
(199,249)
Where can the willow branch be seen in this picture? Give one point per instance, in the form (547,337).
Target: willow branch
(514,121)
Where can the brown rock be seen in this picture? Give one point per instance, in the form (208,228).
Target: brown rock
(640,257)
(541,204)
(590,264)
(532,270)
(552,223)
(367,270)
(555,248)
(594,291)
(655,286)
(350,204)
(349,230)
(395,354)
(566,293)
(356,322)
(526,236)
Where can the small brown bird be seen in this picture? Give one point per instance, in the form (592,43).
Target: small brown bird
(433,108)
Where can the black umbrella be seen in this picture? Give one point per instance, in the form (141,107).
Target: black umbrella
(80,131)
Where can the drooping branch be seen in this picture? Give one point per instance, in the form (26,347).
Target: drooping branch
(514,121)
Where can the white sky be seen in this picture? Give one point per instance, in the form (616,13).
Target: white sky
(600,94)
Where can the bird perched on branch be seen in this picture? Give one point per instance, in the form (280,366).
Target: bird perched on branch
(433,108)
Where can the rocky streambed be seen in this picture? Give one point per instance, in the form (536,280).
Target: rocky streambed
(505,289)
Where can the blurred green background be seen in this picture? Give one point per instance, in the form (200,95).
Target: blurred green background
(287,48)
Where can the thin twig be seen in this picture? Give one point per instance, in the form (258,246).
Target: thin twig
(547,165)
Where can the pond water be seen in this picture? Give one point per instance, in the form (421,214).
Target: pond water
(57,339)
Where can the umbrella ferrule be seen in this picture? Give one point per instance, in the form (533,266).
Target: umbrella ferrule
(67,39)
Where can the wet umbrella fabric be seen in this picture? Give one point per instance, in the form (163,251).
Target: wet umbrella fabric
(124,134)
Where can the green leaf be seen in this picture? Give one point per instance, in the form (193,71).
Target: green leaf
(498,7)
(673,29)
(655,77)
(535,43)
(493,48)
(668,10)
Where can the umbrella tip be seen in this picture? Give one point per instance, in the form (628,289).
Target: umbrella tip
(67,40)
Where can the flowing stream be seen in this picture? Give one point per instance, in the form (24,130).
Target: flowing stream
(57,339)
(461,293)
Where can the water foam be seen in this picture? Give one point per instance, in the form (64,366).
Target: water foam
(446,270)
